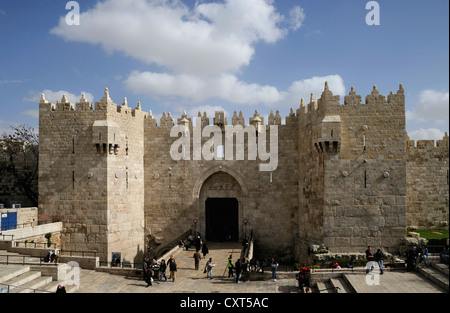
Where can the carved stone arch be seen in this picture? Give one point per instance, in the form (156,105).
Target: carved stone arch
(216,169)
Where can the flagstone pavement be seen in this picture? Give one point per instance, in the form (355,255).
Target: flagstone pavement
(189,280)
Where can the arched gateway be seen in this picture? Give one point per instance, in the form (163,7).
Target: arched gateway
(221,206)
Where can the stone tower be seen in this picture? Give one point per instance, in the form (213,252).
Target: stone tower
(352,184)
(91,175)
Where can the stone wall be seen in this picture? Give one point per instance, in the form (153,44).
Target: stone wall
(108,174)
(176,191)
(427,174)
(354,193)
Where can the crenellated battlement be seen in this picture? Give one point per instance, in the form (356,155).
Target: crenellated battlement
(106,104)
(315,108)
(428,144)
(328,101)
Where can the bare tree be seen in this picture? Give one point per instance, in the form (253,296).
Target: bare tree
(19,153)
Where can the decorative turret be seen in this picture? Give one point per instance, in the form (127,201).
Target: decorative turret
(274,119)
(256,120)
(352,98)
(64,105)
(106,103)
(220,119)
(184,120)
(375,97)
(238,120)
(84,105)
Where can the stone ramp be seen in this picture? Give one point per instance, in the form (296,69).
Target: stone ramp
(392,282)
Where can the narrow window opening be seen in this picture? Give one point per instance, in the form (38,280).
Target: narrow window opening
(364,139)
(365,178)
(73,179)
(73,145)
(127,180)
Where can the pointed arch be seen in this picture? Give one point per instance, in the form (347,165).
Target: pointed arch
(216,169)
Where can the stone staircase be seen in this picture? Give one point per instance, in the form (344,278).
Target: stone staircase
(436,276)
(437,273)
(16,277)
(332,285)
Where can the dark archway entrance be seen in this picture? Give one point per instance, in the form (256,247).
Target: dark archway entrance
(222,219)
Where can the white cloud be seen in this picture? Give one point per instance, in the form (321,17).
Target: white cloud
(426,134)
(428,119)
(432,105)
(229,88)
(53,96)
(297,17)
(201,49)
(208,39)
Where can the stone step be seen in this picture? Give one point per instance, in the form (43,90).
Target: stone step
(443,268)
(30,286)
(435,276)
(22,279)
(325,287)
(8,272)
(341,285)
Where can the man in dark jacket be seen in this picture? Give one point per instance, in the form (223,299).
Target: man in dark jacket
(173,269)
(379,257)
(237,269)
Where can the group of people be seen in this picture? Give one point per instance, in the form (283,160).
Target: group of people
(157,269)
(377,257)
(242,267)
(416,256)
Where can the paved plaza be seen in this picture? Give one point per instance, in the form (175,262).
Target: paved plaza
(189,280)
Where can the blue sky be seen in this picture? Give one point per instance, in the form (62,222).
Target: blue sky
(232,55)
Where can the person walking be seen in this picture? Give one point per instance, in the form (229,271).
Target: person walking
(197,258)
(237,269)
(209,268)
(198,242)
(205,250)
(379,257)
(230,266)
(173,269)
(162,270)
(144,268)
(148,276)
(274,266)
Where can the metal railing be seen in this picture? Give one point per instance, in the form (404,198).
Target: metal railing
(160,250)
(7,288)
(35,245)
(249,246)
(78,253)
(3,237)
(22,259)
(124,264)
